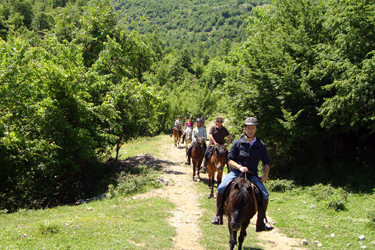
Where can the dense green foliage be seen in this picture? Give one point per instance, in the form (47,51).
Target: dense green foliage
(205,22)
(67,102)
(306,72)
(78,79)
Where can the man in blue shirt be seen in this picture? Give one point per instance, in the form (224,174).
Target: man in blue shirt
(244,156)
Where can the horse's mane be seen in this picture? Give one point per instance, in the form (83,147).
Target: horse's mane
(240,194)
(219,149)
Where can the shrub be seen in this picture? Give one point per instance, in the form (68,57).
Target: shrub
(371,217)
(130,183)
(280,185)
(331,197)
(335,202)
(47,228)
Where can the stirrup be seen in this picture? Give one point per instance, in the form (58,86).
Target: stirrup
(264,229)
(203,170)
(216,220)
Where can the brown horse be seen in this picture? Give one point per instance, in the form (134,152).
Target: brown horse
(216,163)
(197,154)
(240,206)
(176,135)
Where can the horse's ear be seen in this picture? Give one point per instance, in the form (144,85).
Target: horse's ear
(236,186)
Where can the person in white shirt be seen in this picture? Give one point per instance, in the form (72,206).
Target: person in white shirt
(178,123)
(199,131)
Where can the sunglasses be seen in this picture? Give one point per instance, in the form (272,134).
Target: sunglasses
(219,121)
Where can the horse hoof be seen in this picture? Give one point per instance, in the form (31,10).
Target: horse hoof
(198,180)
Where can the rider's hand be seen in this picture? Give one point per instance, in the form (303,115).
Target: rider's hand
(262,179)
(216,143)
(243,169)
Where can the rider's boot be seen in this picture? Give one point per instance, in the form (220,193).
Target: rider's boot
(188,161)
(183,138)
(204,168)
(218,219)
(261,226)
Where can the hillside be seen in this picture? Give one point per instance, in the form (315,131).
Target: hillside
(189,22)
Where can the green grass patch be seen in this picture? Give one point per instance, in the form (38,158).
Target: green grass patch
(118,223)
(142,145)
(326,214)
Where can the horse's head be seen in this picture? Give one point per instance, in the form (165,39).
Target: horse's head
(241,203)
(219,157)
(199,140)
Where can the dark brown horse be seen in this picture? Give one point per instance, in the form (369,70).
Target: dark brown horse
(176,135)
(216,163)
(197,154)
(240,206)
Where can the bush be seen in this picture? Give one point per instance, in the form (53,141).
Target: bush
(280,185)
(335,202)
(371,217)
(331,197)
(130,183)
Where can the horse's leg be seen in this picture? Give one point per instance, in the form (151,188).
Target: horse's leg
(243,234)
(193,168)
(219,177)
(199,168)
(233,237)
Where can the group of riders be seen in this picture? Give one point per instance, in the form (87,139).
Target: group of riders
(243,157)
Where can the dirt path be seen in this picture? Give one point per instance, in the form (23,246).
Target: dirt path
(182,191)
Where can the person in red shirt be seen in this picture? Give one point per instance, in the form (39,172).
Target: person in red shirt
(188,125)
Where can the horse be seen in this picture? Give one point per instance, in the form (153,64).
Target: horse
(176,135)
(197,154)
(216,163)
(243,197)
(188,137)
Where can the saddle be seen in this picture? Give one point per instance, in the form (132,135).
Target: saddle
(257,190)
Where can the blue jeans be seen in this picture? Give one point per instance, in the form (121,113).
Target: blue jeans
(233,175)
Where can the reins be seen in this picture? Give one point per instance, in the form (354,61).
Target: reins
(253,193)
(256,201)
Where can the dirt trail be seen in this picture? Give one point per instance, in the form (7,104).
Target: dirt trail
(183,193)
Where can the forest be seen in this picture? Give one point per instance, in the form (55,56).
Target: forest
(79,79)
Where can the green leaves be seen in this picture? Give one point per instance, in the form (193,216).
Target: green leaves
(67,102)
(306,72)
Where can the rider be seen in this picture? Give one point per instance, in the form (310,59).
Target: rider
(188,125)
(244,157)
(203,120)
(199,131)
(178,124)
(217,134)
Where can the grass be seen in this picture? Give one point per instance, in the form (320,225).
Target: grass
(307,212)
(314,213)
(149,145)
(118,223)
(111,224)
